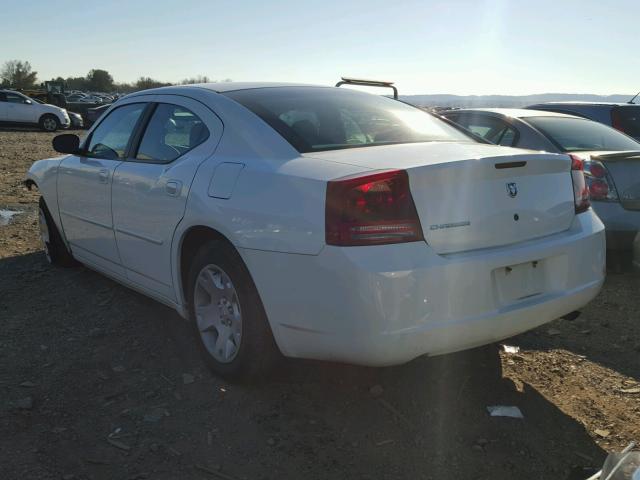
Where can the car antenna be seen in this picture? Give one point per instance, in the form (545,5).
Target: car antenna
(634,97)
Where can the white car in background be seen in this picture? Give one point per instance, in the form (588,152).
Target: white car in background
(320,222)
(18,109)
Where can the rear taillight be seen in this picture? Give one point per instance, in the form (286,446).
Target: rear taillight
(580,190)
(599,182)
(371,210)
(616,120)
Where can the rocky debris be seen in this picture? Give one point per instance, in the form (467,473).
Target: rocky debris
(25,403)
(376,391)
(188,378)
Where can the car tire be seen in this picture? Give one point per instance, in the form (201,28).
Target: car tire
(49,123)
(54,247)
(228,317)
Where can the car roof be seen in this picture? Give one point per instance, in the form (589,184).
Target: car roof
(514,112)
(233,86)
(585,103)
(221,87)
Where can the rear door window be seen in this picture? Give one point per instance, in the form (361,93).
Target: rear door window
(490,128)
(171,132)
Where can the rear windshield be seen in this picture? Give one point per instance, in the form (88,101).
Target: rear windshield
(315,118)
(576,134)
(627,119)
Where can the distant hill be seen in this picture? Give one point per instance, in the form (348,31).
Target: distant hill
(509,101)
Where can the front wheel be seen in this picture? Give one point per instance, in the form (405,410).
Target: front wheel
(49,123)
(226,311)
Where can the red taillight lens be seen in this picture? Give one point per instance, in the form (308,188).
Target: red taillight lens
(371,210)
(616,120)
(580,190)
(599,182)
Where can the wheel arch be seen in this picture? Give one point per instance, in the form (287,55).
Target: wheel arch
(190,241)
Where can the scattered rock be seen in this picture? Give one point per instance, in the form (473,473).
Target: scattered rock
(510,349)
(477,448)
(25,403)
(553,332)
(96,333)
(271,442)
(482,442)
(630,390)
(602,433)
(28,384)
(376,391)
(119,444)
(118,368)
(155,415)
(188,378)
(585,332)
(69,476)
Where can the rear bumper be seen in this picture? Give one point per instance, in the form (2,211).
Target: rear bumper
(386,305)
(621,225)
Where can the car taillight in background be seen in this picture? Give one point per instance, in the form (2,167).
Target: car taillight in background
(371,210)
(580,190)
(599,182)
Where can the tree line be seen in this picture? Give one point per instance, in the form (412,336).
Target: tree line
(20,75)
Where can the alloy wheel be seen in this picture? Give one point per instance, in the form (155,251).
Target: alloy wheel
(218,313)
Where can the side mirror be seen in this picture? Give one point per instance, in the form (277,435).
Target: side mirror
(67,143)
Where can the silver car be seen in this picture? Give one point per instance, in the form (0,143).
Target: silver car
(611,158)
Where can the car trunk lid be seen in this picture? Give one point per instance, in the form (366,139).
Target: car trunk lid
(472,196)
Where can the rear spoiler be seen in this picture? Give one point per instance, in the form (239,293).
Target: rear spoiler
(368,83)
(612,157)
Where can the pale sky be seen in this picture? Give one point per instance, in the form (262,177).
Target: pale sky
(463,47)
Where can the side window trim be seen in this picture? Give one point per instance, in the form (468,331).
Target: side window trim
(141,128)
(85,153)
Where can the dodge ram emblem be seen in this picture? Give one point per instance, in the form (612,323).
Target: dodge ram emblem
(512,189)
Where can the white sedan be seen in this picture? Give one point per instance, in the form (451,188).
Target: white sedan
(20,110)
(321,223)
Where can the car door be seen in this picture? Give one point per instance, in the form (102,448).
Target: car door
(20,109)
(84,188)
(150,188)
(493,129)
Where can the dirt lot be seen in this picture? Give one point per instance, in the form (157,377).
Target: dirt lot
(98,382)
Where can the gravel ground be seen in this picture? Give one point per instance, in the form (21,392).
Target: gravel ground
(98,382)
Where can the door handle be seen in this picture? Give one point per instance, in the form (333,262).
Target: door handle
(103,174)
(173,188)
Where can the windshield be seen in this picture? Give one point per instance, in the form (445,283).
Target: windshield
(314,119)
(576,134)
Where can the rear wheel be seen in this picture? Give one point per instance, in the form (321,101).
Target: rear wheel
(54,248)
(49,123)
(231,326)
